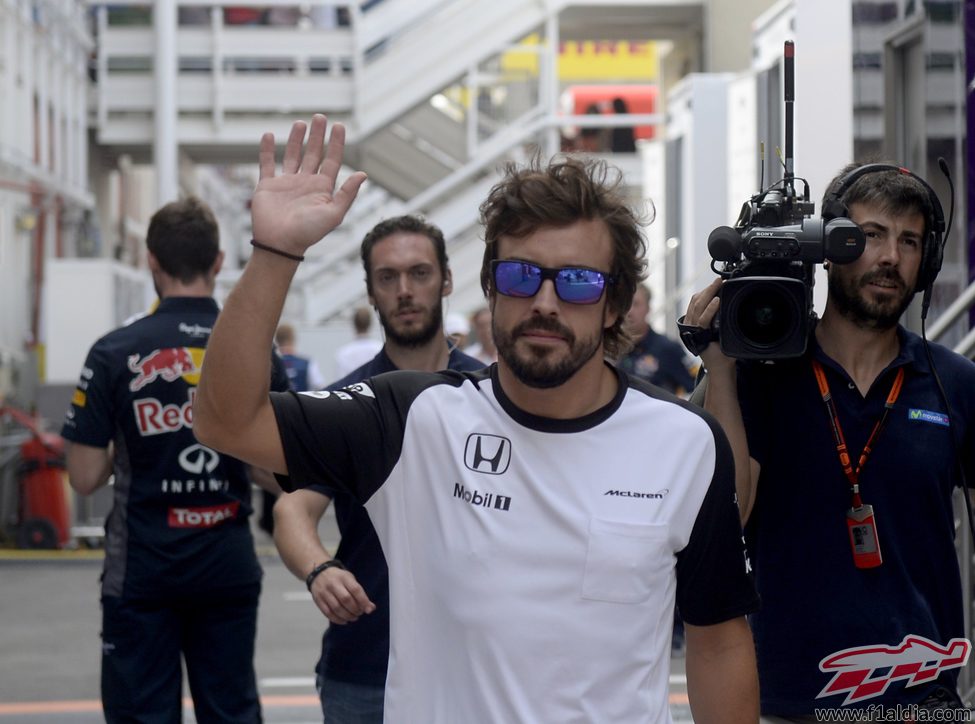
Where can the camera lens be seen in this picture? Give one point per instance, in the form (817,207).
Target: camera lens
(766,314)
(764,317)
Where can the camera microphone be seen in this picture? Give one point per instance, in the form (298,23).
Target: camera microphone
(724,244)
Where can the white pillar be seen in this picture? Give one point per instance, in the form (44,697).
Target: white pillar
(57,100)
(165,113)
(8,27)
(824,100)
(473,110)
(28,129)
(80,123)
(824,91)
(42,62)
(549,74)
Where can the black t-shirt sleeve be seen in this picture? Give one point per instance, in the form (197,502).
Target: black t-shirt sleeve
(347,439)
(90,420)
(714,582)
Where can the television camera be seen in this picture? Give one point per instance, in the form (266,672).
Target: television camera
(768,259)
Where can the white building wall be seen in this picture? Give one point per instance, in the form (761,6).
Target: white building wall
(110,292)
(698,109)
(15,271)
(44,47)
(652,154)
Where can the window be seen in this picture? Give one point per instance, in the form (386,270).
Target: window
(874,13)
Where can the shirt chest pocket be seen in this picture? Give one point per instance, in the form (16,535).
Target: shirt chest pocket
(626,562)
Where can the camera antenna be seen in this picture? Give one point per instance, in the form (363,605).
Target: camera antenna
(789,91)
(761,175)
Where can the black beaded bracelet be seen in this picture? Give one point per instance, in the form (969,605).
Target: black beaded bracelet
(334,563)
(287,255)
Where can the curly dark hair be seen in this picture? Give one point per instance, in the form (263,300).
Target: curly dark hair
(409,224)
(565,191)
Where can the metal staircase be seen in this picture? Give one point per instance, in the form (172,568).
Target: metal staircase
(428,56)
(430,112)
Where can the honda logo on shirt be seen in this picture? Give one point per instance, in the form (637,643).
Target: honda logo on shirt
(489,454)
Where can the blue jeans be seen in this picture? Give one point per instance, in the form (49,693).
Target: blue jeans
(344,703)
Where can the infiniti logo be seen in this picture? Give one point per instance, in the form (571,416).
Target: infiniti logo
(196,457)
(488,454)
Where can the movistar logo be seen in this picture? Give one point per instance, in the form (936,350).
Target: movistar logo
(938,418)
(637,494)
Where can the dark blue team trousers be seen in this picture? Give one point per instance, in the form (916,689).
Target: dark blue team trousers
(144,640)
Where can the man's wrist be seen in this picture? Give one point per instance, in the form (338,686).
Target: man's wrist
(333,563)
(274,250)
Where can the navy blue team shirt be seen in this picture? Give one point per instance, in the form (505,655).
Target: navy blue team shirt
(179,519)
(659,360)
(815,602)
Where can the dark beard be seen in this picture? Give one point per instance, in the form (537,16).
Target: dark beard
(536,371)
(416,338)
(845,294)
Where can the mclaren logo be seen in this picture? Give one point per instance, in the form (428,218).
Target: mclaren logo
(636,494)
(489,454)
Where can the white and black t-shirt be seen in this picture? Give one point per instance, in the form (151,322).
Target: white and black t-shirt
(534,563)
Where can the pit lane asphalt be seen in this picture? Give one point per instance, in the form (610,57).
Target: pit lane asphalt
(49,639)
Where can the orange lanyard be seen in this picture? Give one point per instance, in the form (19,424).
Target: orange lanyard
(854,475)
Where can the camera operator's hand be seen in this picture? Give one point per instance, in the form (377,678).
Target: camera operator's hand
(721,393)
(701,312)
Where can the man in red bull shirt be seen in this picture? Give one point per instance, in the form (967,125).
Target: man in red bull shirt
(181,577)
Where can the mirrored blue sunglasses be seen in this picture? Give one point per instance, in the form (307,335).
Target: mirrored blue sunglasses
(575,285)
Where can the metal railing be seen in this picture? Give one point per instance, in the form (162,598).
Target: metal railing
(962,305)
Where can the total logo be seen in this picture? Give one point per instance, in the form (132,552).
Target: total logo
(169,364)
(153,417)
(202,517)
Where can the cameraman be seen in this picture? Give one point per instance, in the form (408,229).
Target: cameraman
(811,538)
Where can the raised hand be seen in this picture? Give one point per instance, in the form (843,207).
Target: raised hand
(293,210)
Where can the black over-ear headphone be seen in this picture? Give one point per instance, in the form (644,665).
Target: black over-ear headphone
(933,247)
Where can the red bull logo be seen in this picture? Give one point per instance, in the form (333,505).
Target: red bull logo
(917,659)
(167,364)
